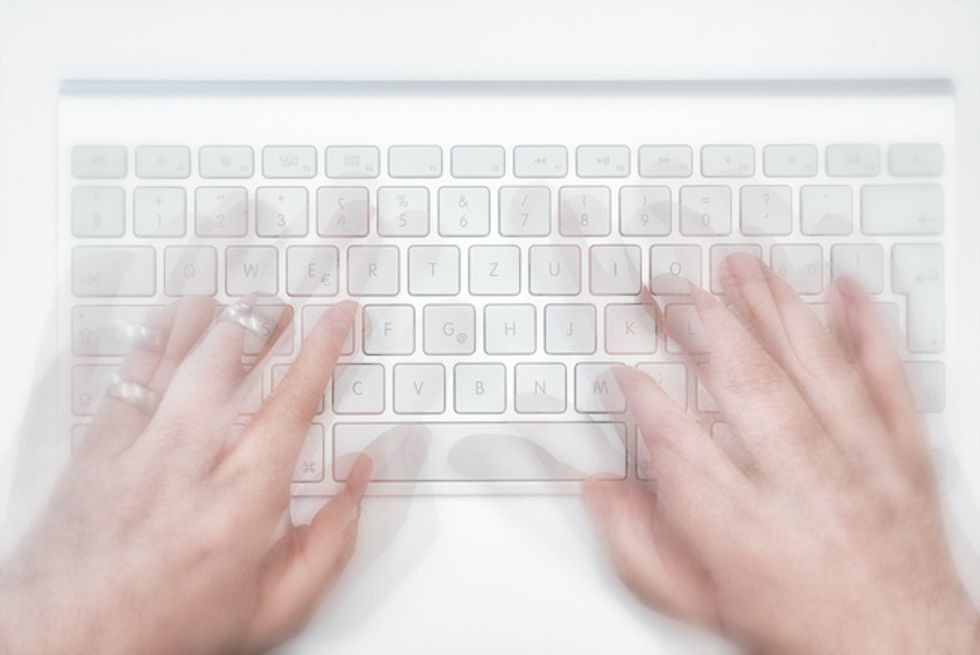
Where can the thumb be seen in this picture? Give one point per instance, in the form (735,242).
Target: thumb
(304,565)
(648,556)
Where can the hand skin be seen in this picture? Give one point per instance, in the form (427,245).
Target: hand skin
(814,528)
(166,534)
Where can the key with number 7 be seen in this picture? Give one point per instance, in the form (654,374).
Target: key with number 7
(525,211)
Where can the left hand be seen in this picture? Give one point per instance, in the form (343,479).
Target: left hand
(166,534)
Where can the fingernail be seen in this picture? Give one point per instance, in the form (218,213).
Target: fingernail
(346,309)
(359,476)
(670,285)
(849,287)
(622,373)
(741,266)
(625,377)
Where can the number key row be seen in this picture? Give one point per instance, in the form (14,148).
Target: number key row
(524,211)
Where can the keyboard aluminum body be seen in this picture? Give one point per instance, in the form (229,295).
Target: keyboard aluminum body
(627,179)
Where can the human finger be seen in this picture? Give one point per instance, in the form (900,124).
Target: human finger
(756,396)
(648,556)
(790,332)
(273,439)
(885,378)
(213,370)
(694,478)
(307,562)
(160,344)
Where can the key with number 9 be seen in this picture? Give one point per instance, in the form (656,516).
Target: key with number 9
(644,211)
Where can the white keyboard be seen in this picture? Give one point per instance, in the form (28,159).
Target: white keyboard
(497,239)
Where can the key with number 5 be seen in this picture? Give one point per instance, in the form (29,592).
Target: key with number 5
(403,211)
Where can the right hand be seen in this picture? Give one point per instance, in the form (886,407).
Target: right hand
(816,527)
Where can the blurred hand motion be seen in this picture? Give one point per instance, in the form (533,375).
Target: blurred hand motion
(169,531)
(812,524)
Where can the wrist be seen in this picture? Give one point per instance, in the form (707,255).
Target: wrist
(21,611)
(952,627)
(967,637)
(37,613)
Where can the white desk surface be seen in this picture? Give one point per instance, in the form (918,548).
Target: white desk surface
(43,43)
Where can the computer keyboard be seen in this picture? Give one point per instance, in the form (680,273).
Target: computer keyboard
(499,278)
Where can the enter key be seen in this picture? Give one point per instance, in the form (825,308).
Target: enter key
(918,274)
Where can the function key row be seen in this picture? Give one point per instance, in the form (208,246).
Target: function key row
(489,161)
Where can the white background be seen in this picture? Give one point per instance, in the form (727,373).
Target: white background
(429,610)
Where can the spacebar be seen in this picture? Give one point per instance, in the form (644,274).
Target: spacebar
(486,452)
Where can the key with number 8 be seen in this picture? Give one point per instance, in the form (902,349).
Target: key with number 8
(584,211)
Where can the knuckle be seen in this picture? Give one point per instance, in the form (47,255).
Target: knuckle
(752,376)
